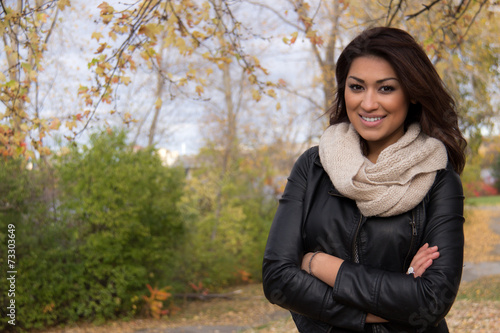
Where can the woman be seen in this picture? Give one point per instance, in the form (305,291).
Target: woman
(368,235)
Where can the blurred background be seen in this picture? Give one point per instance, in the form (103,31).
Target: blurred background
(145,144)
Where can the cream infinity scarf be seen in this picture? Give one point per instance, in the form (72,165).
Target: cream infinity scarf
(398,182)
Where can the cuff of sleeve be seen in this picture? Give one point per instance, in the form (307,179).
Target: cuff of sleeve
(357,286)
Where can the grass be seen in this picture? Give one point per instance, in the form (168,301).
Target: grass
(483,201)
(483,289)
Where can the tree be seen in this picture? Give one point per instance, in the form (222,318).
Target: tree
(206,30)
(460,38)
(26,28)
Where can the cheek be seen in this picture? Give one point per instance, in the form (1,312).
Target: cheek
(350,101)
(399,106)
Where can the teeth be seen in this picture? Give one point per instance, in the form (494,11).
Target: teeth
(371,119)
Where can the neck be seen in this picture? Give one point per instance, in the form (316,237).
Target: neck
(370,151)
(372,157)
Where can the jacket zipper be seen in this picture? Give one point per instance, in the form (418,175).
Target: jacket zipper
(355,247)
(413,226)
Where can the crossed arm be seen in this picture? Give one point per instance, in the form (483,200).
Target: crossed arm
(325,267)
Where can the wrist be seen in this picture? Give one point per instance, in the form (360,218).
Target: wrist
(325,267)
(311,260)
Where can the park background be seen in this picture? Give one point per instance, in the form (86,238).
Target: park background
(145,143)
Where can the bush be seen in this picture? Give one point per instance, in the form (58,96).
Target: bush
(479,189)
(228,216)
(112,228)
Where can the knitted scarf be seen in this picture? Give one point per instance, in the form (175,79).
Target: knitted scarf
(396,183)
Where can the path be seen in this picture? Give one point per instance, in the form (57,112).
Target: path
(474,271)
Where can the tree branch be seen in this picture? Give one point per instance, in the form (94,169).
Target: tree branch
(426,8)
(388,21)
(281,17)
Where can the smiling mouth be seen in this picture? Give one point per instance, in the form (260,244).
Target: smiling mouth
(371,119)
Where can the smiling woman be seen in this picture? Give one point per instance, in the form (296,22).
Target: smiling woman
(376,103)
(368,235)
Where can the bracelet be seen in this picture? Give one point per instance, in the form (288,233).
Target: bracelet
(310,261)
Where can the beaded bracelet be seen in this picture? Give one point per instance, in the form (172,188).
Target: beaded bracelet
(310,261)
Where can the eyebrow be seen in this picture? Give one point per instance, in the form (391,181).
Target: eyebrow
(378,81)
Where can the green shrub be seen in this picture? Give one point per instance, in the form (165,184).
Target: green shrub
(112,227)
(228,215)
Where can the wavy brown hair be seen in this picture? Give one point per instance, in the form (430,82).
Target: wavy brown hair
(431,104)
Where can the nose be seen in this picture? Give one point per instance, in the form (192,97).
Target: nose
(369,102)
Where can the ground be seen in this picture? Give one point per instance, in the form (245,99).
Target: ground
(477,309)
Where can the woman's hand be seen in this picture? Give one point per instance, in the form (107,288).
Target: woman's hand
(372,319)
(423,259)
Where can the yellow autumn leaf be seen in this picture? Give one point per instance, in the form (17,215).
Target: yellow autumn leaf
(126,80)
(106,8)
(96,35)
(198,35)
(180,44)
(112,35)
(151,30)
(54,125)
(24,127)
(256,95)
(158,103)
(271,93)
(199,90)
(278,106)
(61,4)
(71,124)
(294,37)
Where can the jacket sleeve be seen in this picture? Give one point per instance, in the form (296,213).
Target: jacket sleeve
(419,302)
(285,284)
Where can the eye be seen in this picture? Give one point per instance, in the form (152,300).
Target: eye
(387,89)
(355,87)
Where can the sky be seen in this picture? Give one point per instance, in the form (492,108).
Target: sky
(71,48)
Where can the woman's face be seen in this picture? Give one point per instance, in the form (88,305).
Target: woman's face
(375,102)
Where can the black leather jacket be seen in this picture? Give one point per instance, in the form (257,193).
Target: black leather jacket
(313,216)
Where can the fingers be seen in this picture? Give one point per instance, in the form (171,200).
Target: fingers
(424,259)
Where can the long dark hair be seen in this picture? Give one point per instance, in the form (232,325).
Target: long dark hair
(431,104)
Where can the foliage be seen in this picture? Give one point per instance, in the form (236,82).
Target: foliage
(113,228)
(460,40)
(479,189)
(228,216)
(25,202)
(154,302)
(148,28)
(25,27)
